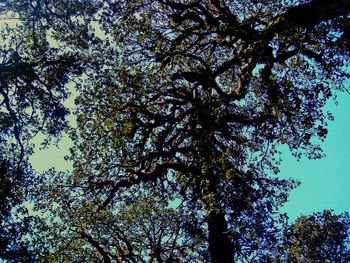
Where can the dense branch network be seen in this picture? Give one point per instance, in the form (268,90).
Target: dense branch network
(237,83)
(193,99)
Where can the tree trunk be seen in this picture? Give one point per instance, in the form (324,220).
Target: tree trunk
(221,249)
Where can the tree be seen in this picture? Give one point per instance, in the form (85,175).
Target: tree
(33,76)
(199,94)
(139,228)
(12,247)
(193,99)
(321,237)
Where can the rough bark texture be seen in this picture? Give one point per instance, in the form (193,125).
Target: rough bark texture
(221,249)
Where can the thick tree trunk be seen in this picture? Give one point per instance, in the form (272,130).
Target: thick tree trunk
(221,249)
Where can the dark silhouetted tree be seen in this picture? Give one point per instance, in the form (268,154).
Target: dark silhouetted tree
(190,100)
(321,237)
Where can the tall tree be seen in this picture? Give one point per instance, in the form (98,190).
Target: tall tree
(200,94)
(194,98)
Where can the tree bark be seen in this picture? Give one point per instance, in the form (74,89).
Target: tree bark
(95,244)
(221,249)
(316,11)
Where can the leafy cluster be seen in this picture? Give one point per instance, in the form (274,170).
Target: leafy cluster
(181,108)
(322,236)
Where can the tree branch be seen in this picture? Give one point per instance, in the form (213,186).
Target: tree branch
(95,244)
(310,14)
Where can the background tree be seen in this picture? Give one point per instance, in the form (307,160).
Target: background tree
(33,78)
(321,237)
(14,223)
(140,227)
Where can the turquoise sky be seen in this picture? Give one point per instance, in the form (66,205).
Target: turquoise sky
(325,183)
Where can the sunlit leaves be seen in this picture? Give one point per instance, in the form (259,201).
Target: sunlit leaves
(179,101)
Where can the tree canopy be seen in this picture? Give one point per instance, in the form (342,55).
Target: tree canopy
(322,236)
(181,109)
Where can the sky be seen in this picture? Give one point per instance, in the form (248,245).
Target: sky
(325,183)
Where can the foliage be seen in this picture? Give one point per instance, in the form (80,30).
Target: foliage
(205,92)
(12,227)
(321,237)
(141,227)
(179,102)
(33,76)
